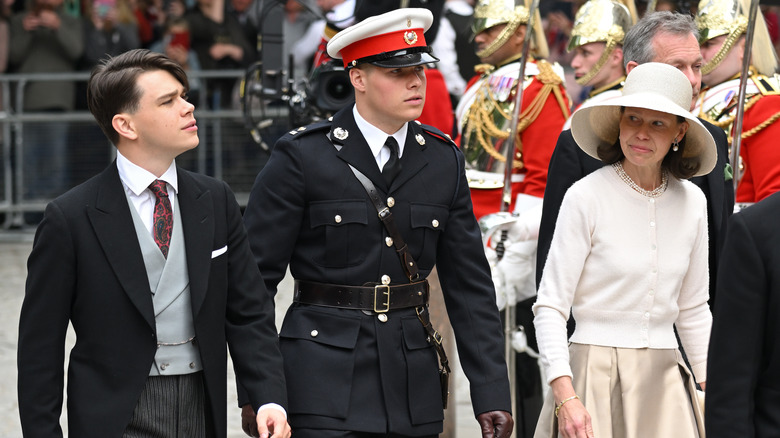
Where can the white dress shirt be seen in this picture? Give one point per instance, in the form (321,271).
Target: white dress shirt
(376,139)
(136,181)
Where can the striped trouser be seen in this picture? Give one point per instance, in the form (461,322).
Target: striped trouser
(170,407)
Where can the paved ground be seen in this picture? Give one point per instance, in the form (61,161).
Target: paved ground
(14,249)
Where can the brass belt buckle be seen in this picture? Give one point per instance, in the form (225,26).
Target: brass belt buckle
(386,302)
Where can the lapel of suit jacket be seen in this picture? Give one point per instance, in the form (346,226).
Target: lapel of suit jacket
(113,225)
(197,217)
(354,149)
(414,158)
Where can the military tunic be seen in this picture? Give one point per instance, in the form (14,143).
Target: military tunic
(484,114)
(759,154)
(349,369)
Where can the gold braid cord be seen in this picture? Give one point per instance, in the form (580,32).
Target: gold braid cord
(726,123)
(615,35)
(599,64)
(758,128)
(482,115)
(736,30)
(510,28)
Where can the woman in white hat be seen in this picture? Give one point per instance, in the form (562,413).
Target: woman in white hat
(629,261)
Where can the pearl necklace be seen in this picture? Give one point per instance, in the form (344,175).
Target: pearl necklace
(656,192)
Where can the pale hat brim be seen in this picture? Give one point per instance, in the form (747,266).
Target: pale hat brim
(598,124)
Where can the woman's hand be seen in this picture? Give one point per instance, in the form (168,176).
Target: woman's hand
(573,418)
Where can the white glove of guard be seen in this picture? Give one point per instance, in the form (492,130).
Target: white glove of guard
(514,276)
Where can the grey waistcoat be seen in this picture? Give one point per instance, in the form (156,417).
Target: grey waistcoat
(169,282)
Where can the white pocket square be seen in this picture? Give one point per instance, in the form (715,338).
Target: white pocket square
(218,252)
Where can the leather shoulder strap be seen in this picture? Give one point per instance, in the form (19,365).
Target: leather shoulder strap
(386,216)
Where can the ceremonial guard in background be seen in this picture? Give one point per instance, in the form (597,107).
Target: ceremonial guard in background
(485,116)
(597,41)
(361,207)
(485,111)
(722,24)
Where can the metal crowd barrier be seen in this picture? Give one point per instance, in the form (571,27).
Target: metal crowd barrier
(226,151)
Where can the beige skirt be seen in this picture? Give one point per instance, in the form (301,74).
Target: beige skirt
(631,393)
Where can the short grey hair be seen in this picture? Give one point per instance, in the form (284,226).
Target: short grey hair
(638,44)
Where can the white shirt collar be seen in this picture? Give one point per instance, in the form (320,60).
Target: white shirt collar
(137,179)
(376,138)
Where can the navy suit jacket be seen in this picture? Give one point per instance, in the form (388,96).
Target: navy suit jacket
(86,268)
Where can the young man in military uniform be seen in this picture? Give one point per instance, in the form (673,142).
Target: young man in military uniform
(722,25)
(597,41)
(358,360)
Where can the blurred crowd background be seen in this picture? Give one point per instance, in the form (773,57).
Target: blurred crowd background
(47,48)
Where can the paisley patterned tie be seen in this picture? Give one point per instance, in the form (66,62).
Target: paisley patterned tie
(163,216)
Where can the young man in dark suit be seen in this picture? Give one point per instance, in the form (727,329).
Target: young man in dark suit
(358,361)
(151,265)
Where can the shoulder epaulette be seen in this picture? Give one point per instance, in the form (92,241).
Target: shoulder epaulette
(309,129)
(768,86)
(436,132)
(484,69)
(547,74)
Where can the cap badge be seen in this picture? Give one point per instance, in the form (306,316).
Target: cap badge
(340,133)
(410,37)
(420,139)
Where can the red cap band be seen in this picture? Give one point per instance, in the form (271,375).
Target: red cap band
(387,42)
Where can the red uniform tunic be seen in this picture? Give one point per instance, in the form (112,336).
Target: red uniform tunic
(759,154)
(536,140)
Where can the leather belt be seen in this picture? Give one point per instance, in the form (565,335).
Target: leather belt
(380,298)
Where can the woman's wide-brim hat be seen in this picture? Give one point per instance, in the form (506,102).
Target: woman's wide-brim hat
(653,86)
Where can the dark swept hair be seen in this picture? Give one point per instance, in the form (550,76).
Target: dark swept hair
(674,162)
(112,86)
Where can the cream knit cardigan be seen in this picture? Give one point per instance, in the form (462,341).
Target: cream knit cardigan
(629,267)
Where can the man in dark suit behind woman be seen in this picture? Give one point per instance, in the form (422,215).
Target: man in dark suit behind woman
(151,265)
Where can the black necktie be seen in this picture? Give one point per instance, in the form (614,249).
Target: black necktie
(393,165)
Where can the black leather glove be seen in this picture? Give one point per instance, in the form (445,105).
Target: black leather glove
(496,424)
(249,420)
